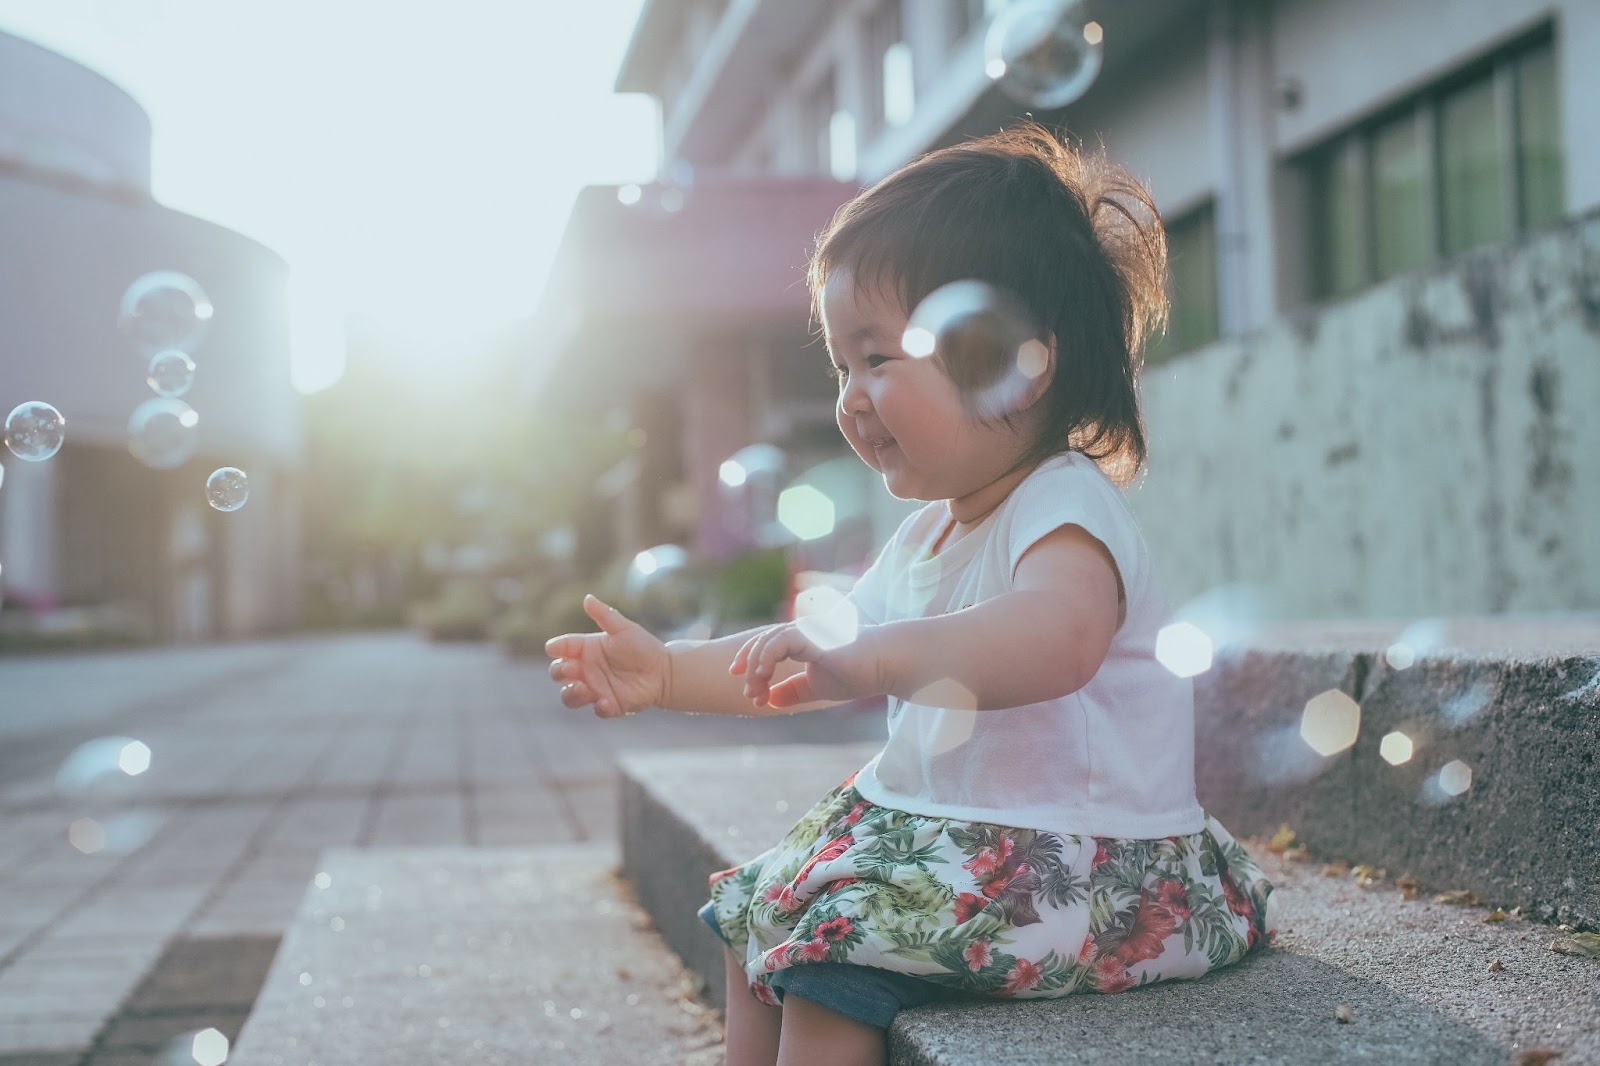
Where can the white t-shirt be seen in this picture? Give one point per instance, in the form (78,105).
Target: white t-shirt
(1115,758)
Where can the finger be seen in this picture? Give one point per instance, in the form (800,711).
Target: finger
(742,656)
(566,646)
(792,692)
(566,670)
(754,684)
(606,707)
(607,617)
(576,694)
(785,645)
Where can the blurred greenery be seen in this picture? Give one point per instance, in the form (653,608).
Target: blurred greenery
(413,478)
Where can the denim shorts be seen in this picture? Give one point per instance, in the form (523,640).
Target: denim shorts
(866,993)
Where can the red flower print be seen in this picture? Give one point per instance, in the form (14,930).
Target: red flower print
(773,891)
(855,815)
(1000,884)
(1174,895)
(764,994)
(978,955)
(1109,975)
(1238,902)
(988,860)
(813,950)
(1089,952)
(968,906)
(721,874)
(1100,856)
(787,900)
(1023,975)
(849,780)
(830,851)
(1251,938)
(834,886)
(835,928)
(1152,924)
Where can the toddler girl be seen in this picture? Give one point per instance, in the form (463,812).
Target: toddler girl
(1030,828)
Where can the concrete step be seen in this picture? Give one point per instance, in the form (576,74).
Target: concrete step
(1414,973)
(485,956)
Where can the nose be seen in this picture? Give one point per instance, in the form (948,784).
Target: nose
(853,399)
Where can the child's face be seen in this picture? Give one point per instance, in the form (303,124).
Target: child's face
(902,414)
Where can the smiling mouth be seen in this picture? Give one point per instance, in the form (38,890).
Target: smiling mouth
(878,443)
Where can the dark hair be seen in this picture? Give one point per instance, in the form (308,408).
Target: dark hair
(1072,235)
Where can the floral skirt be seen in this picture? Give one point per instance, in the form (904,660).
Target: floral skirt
(989,910)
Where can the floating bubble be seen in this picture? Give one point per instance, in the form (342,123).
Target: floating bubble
(1228,614)
(826,617)
(986,340)
(98,782)
(948,711)
(628,195)
(1420,638)
(1184,648)
(1396,748)
(165,309)
(171,373)
(750,481)
(227,488)
(161,432)
(1043,53)
(1330,722)
(662,588)
(34,431)
(1455,777)
(806,511)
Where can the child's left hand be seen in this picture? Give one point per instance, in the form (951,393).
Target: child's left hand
(850,671)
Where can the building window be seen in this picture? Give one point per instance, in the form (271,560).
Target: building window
(1195,317)
(820,106)
(1474,160)
(891,88)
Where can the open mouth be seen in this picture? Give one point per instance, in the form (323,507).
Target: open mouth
(878,443)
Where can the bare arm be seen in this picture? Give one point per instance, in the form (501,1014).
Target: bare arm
(1042,640)
(698,679)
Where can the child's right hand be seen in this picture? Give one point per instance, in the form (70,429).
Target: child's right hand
(621,669)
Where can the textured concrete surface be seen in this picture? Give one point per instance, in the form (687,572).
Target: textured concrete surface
(1415,972)
(1525,726)
(482,956)
(263,754)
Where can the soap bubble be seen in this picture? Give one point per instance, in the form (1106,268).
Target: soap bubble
(987,341)
(1043,53)
(751,481)
(171,373)
(662,588)
(165,309)
(101,781)
(227,488)
(34,431)
(161,432)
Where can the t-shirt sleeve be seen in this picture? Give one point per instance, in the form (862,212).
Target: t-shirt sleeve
(1069,496)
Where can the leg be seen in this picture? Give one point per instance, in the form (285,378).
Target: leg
(752,1026)
(814,1034)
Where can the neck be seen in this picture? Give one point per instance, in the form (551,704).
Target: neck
(974,507)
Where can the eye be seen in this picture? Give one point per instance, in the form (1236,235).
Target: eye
(875,361)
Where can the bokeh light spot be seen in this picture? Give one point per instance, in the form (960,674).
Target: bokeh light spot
(1331,722)
(210,1048)
(806,511)
(87,836)
(1396,748)
(134,758)
(1184,649)
(1455,777)
(917,341)
(826,617)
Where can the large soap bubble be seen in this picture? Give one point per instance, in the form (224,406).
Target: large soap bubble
(161,432)
(163,310)
(34,431)
(987,341)
(1043,53)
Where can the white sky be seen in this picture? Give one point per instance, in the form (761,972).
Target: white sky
(413,160)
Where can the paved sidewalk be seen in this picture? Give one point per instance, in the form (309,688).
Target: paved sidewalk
(262,755)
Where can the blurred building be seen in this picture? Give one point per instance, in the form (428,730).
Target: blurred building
(91,538)
(1372,398)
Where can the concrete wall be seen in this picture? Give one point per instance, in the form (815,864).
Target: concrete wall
(1426,447)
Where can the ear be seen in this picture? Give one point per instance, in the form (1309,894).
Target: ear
(1036,359)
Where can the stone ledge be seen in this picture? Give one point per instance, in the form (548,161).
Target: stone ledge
(1414,972)
(475,955)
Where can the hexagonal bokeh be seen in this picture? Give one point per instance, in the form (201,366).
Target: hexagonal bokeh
(1330,722)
